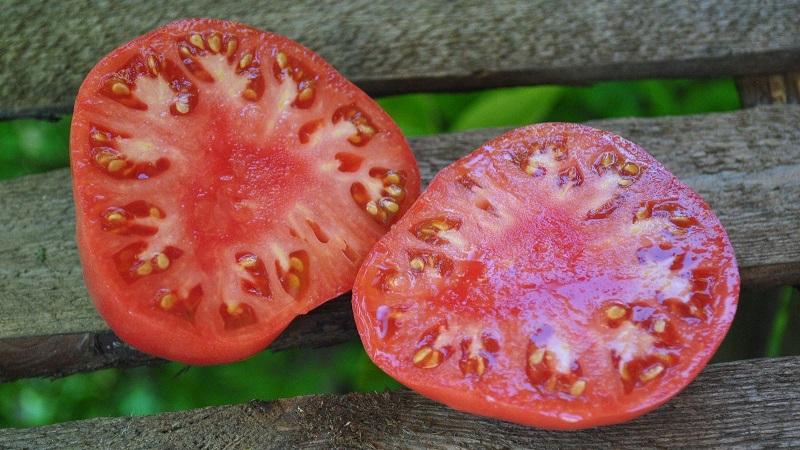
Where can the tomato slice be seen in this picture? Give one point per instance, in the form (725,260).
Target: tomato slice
(558,276)
(226,180)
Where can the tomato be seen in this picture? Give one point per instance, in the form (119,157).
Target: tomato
(226,180)
(558,276)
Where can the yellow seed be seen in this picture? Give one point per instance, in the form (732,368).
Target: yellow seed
(282,60)
(390,206)
(607,159)
(630,168)
(355,139)
(197,40)
(115,217)
(249,94)
(480,365)
(245,61)
(115,165)
(391,178)
(660,326)
(625,182)
(120,88)
(168,301)
(185,52)
(371,208)
(162,261)
(234,309)
(296,264)
(417,263)
(214,43)
(623,371)
(306,94)
(577,388)
(98,136)
(642,213)
(394,190)
(154,212)
(182,107)
(231,47)
(427,358)
(144,269)
(366,130)
(152,64)
(615,312)
(536,357)
(292,282)
(422,354)
(531,167)
(440,225)
(248,261)
(651,372)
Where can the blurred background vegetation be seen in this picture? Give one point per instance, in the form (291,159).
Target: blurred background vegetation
(765,325)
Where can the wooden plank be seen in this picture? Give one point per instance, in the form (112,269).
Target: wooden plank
(768,89)
(746,164)
(391,47)
(752,403)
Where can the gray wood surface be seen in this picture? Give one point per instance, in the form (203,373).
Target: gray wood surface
(47,47)
(752,403)
(746,164)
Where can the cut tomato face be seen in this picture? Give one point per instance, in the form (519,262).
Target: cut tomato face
(226,180)
(558,276)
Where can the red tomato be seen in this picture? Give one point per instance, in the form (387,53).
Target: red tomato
(558,276)
(226,180)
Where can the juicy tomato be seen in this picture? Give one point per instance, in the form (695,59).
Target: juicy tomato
(226,180)
(558,276)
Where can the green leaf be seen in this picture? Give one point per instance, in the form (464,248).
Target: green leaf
(508,107)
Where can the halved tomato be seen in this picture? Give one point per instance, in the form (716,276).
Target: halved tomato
(226,180)
(558,276)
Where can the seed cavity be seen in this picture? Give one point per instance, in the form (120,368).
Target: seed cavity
(348,162)
(477,354)
(133,219)
(432,348)
(365,129)
(294,279)
(431,231)
(286,67)
(236,315)
(388,320)
(133,264)
(169,301)
(550,365)
(256,280)
(319,233)
(309,128)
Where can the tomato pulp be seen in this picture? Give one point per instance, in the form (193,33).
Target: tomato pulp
(226,180)
(558,276)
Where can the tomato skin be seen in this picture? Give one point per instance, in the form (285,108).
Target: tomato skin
(510,301)
(247,123)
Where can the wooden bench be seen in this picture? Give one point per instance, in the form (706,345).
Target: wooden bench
(745,163)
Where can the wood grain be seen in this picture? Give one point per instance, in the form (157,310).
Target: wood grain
(752,403)
(746,164)
(390,47)
(768,89)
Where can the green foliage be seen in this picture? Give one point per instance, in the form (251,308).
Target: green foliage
(32,146)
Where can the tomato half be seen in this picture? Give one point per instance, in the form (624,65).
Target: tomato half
(558,276)
(226,180)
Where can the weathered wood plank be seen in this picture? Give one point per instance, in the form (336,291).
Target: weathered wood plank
(746,164)
(768,89)
(391,47)
(753,403)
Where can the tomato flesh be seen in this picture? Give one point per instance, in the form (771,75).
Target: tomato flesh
(226,180)
(558,276)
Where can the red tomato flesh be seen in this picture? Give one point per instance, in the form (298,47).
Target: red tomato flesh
(558,276)
(226,180)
